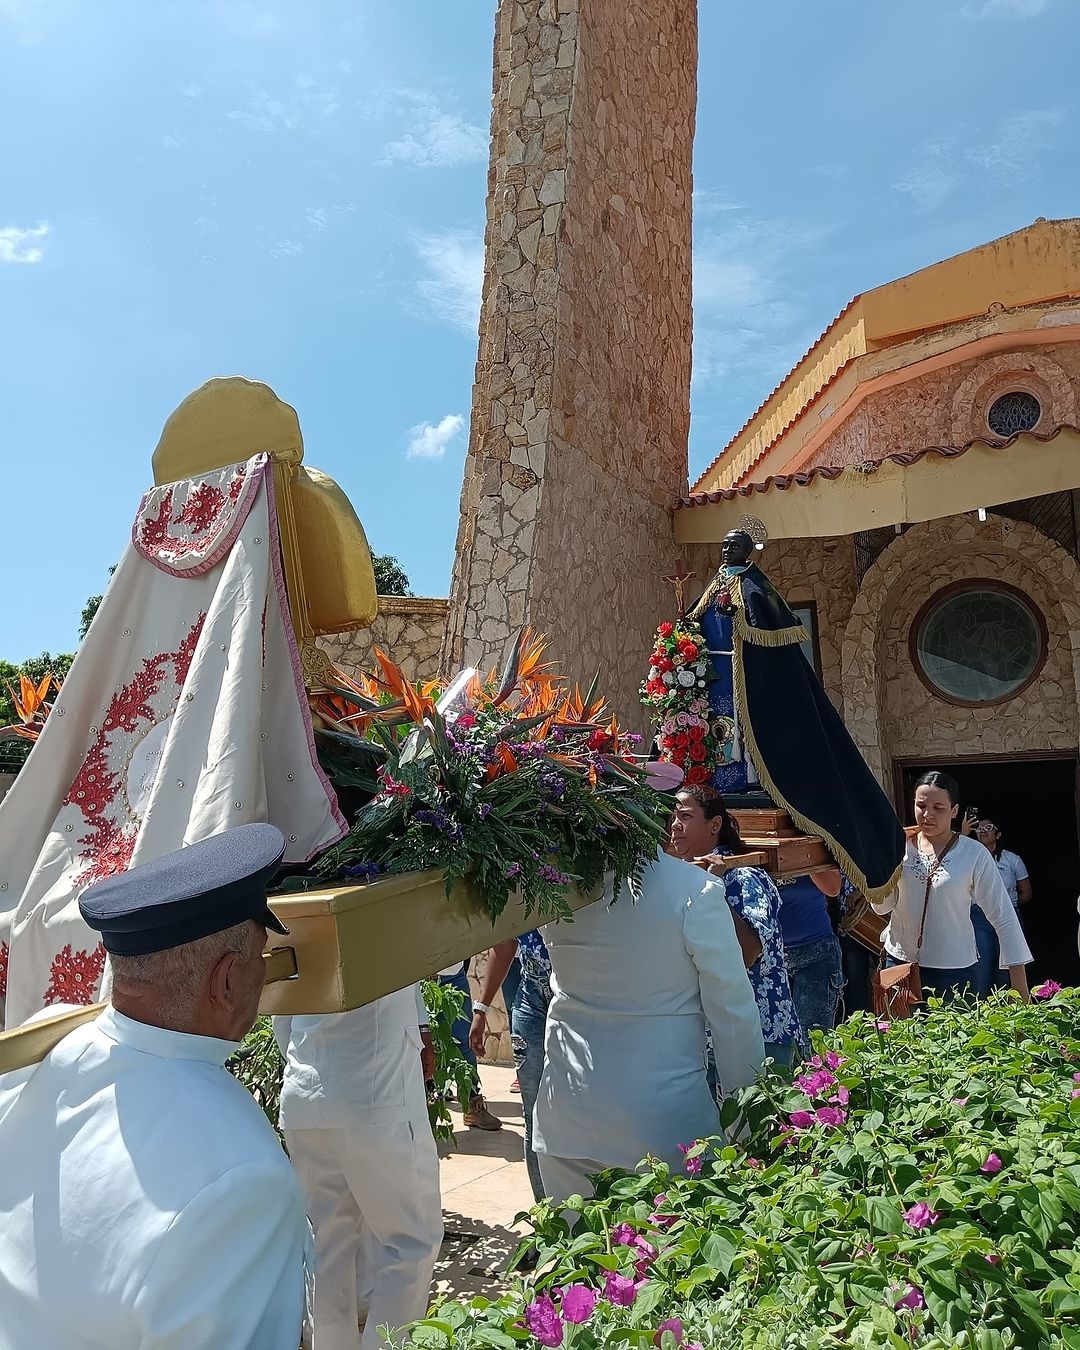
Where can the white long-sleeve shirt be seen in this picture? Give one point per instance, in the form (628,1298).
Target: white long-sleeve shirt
(145,1202)
(633,985)
(968,875)
(363,1065)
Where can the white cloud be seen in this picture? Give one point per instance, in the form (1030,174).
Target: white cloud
(1005,9)
(430,440)
(23,245)
(928,184)
(434,138)
(1020,140)
(303,106)
(192,91)
(747,319)
(453,279)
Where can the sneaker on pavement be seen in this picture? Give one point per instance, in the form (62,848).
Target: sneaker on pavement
(478,1117)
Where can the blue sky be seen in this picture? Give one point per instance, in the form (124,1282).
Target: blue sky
(294,191)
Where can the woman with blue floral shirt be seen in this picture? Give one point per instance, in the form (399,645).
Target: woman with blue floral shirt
(703,833)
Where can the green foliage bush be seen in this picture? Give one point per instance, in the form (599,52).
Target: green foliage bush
(918,1186)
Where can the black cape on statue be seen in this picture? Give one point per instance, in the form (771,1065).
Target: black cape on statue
(803,754)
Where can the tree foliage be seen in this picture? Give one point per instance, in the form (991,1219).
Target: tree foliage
(390,578)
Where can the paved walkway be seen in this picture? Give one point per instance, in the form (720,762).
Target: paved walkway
(484,1187)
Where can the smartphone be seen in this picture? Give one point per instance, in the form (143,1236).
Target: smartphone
(972,814)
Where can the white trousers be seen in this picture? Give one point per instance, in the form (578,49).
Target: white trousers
(373,1199)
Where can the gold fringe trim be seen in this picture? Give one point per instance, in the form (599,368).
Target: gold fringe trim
(763,637)
(840,855)
(712,590)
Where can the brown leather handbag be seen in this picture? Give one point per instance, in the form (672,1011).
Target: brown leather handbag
(896,991)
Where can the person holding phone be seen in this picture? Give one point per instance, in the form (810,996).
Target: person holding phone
(945,873)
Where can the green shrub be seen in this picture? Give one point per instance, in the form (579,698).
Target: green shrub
(919,1185)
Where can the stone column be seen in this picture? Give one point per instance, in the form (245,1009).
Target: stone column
(580,415)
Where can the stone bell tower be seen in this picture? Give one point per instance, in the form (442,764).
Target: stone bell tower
(580,413)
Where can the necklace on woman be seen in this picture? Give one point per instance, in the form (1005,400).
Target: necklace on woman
(934,850)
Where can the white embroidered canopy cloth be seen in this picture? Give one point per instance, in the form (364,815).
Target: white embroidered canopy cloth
(183,714)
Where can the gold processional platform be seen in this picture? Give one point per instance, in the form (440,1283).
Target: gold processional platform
(348,945)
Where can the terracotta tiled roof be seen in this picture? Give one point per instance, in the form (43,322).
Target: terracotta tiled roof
(781,482)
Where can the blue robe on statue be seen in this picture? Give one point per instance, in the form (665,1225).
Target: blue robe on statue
(734,775)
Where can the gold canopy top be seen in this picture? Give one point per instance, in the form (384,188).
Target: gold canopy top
(328,571)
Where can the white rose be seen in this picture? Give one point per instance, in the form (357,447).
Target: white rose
(686,679)
(668,677)
(699,667)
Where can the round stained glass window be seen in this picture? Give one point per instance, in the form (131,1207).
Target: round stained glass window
(1013,413)
(979,643)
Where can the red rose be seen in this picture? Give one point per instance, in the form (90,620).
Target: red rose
(599,740)
(665,664)
(656,658)
(682,739)
(697,732)
(666,629)
(689,650)
(697,752)
(698,774)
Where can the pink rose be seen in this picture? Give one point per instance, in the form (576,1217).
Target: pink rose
(544,1322)
(577,1302)
(620,1290)
(674,1325)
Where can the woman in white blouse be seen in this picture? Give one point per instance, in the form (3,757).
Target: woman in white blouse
(962,873)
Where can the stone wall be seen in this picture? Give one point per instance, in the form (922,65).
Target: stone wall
(949,406)
(581,404)
(889,710)
(410,629)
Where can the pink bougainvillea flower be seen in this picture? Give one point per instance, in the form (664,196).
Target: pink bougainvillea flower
(921,1215)
(994,1259)
(842,1096)
(1076,1077)
(641,1269)
(992,1164)
(882,1026)
(913,1299)
(693,1165)
(831,1115)
(959,1101)
(802,1120)
(672,1324)
(866,1251)
(1047,990)
(622,1235)
(814,1084)
(646,1249)
(544,1322)
(753,1162)
(577,1302)
(620,1290)
(1075,1092)
(834,1060)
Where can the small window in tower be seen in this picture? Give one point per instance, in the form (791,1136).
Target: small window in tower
(1013,413)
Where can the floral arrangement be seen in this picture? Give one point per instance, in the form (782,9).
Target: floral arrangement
(519,784)
(32,708)
(917,1185)
(676,692)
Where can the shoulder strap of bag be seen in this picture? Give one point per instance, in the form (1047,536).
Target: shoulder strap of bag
(931,872)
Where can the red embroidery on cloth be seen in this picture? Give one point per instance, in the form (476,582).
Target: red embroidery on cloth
(109,843)
(74,976)
(185,653)
(200,514)
(4,950)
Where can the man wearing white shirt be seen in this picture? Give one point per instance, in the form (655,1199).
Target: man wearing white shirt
(633,985)
(145,1202)
(354,1115)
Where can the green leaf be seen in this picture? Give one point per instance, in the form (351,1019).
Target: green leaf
(719,1251)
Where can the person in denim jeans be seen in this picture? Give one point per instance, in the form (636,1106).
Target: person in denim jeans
(811,949)
(528,1019)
